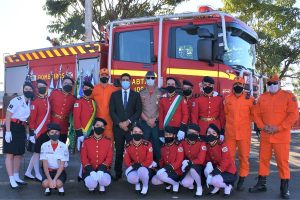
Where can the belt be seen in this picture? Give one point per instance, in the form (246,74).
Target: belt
(17,121)
(64,118)
(208,119)
(52,170)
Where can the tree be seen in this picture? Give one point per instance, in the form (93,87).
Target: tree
(277,23)
(69,15)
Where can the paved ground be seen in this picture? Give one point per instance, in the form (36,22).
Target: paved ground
(123,190)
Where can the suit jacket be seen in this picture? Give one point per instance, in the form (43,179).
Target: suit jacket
(133,109)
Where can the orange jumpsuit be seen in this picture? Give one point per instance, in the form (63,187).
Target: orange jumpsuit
(101,95)
(238,112)
(281,110)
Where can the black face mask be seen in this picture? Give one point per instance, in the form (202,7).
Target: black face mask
(170,89)
(210,138)
(208,89)
(42,90)
(169,139)
(87,92)
(187,92)
(98,130)
(137,137)
(238,89)
(28,94)
(104,79)
(192,137)
(67,88)
(54,137)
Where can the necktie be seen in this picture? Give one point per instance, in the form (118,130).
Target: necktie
(125,99)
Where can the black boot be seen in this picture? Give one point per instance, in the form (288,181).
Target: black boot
(284,189)
(260,185)
(240,183)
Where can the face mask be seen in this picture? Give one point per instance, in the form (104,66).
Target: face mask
(210,138)
(208,89)
(273,88)
(87,92)
(98,130)
(104,79)
(238,89)
(169,139)
(42,90)
(28,94)
(187,92)
(54,137)
(67,88)
(150,82)
(171,89)
(192,137)
(137,137)
(125,85)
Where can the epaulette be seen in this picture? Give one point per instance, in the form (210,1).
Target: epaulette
(127,145)
(108,138)
(177,142)
(164,95)
(145,142)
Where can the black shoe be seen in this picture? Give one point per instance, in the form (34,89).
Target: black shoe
(284,189)
(117,177)
(198,196)
(260,185)
(226,195)
(240,184)
(22,183)
(61,193)
(37,180)
(79,179)
(47,193)
(14,188)
(29,178)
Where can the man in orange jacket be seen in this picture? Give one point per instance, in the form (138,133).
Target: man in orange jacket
(101,94)
(238,108)
(276,112)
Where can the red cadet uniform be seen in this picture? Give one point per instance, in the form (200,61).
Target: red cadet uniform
(190,104)
(142,154)
(195,152)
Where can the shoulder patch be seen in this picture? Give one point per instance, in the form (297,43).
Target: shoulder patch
(107,138)
(19,98)
(180,149)
(224,149)
(10,106)
(204,148)
(76,105)
(32,107)
(146,143)
(150,149)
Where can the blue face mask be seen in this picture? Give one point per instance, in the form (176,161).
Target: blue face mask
(125,85)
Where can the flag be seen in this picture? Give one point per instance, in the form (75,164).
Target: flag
(80,85)
(59,81)
(28,76)
(51,85)
(92,77)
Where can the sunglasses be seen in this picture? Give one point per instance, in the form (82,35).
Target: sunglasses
(150,78)
(272,83)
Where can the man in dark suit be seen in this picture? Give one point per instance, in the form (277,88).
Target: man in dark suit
(125,108)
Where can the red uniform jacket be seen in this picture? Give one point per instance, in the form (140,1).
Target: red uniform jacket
(181,115)
(207,110)
(190,104)
(61,106)
(96,152)
(220,157)
(194,152)
(172,154)
(38,112)
(82,112)
(142,154)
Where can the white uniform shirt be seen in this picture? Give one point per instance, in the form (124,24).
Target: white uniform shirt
(19,109)
(61,153)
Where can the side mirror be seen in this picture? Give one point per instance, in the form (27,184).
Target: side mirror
(205,49)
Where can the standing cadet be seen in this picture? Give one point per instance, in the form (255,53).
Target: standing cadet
(170,162)
(54,155)
(96,157)
(150,96)
(194,159)
(238,108)
(138,157)
(275,113)
(62,102)
(101,94)
(17,113)
(187,90)
(173,110)
(39,118)
(209,108)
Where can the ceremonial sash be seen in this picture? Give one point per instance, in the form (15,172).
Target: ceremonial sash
(38,129)
(172,110)
(88,127)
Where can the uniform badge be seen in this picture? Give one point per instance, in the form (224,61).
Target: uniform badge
(180,149)
(224,149)
(76,105)
(32,107)
(203,148)
(150,149)
(11,106)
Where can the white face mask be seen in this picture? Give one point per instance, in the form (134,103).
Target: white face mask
(150,82)
(273,88)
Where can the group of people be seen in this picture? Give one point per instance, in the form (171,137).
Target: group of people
(161,135)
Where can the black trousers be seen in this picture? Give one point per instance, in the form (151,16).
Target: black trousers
(120,137)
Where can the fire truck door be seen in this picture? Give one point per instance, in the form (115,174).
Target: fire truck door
(89,66)
(14,79)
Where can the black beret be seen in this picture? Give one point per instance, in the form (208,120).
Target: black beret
(170,129)
(98,119)
(215,128)
(186,82)
(171,78)
(208,79)
(137,124)
(150,74)
(89,84)
(41,81)
(194,127)
(27,84)
(68,77)
(53,126)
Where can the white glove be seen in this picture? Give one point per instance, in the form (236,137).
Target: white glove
(32,139)
(222,138)
(128,170)
(153,165)
(100,175)
(208,169)
(94,175)
(184,164)
(215,93)
(8,137)
(162,139)
(79,141)
(180,135)
(208,180)
(159,172)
